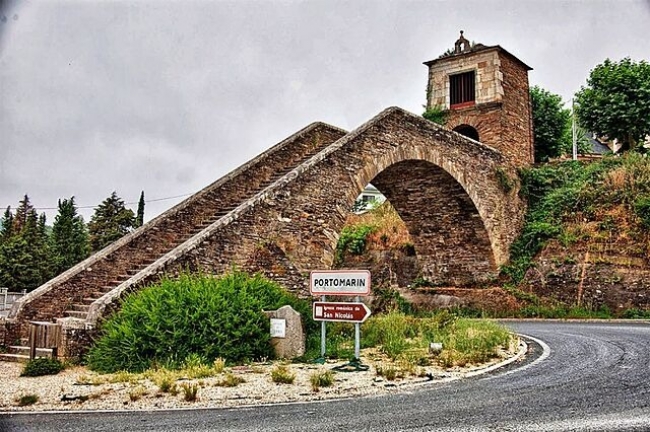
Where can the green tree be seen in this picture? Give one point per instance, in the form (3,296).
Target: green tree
(616,101)
(69,240)
(139,219)
(110,222)
(6,225)
(25,261)
(551,124)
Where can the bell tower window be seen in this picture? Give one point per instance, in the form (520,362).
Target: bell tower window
(462,90)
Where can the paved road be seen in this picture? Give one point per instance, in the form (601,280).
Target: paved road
(595,377)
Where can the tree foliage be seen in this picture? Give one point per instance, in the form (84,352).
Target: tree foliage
(69,240)
(616,101)
(110,222)
(139,219)
(551,124)
(25,259)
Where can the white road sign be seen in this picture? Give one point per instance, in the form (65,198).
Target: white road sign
(339,282)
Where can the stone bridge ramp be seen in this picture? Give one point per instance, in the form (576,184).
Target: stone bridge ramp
(72,293)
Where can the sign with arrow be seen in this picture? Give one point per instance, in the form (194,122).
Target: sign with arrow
(338,311)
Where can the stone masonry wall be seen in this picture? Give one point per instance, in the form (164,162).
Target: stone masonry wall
(293,227)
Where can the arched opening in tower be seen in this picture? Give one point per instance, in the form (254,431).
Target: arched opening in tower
(468,131)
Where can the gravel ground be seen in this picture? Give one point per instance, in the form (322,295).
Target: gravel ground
(78,388)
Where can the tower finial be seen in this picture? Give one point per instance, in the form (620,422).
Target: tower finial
(462,44)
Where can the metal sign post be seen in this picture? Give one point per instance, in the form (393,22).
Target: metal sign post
(341,283)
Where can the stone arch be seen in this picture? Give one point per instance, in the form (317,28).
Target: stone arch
(468,131)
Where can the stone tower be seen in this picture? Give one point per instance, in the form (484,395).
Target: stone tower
(484,90)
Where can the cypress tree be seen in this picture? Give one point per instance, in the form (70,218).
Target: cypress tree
(140,217)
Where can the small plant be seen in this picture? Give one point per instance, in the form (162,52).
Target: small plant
(42,366)
(124,377)
(218,365)
(92,380)
(26,400)
(321,379)
(167,384)
(436,114)
(137,393)
(282,375)
(230,380)
(505,182)
(390,372)
(190,392)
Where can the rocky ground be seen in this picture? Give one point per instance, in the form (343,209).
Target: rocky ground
(78,388)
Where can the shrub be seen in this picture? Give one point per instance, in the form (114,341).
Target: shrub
(353,240)
(224,315)
(26,400)
(42,366)
(282,375)
(321,379)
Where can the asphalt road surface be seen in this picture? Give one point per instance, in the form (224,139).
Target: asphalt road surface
(578,377)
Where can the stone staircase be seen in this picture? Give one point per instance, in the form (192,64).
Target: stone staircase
(71,294)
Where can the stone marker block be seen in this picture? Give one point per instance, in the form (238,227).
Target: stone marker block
(287,334)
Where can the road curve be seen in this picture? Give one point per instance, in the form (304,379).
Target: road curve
(593,377)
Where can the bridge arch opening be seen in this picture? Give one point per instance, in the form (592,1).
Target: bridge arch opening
(468,131)
(444,241)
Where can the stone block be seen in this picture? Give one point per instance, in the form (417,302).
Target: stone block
(287,333)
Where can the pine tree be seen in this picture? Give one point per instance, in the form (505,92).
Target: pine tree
(69,241)
(140,217)
(24,210)
(6,225)
(25,261)
(111,221)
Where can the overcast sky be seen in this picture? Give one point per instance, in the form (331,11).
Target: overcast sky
(168,96)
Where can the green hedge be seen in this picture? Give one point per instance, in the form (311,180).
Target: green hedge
(193,315)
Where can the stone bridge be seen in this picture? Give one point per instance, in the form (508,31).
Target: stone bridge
(282,212)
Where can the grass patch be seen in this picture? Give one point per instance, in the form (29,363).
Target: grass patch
(230,380)
(321,379)
(190,392)
(282,375)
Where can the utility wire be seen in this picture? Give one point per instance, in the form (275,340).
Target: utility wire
(126,203)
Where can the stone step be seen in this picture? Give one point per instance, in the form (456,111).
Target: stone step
(15,358)
(80,307)
(24,350)
(76,314)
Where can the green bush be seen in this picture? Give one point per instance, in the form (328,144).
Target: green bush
(196,319)
(353,240)
(42,366)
